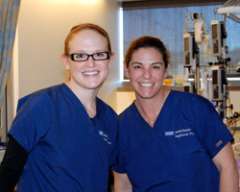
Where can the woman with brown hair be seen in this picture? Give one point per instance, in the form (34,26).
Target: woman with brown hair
(169,141)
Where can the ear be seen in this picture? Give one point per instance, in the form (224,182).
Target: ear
(65,61)
(112,57)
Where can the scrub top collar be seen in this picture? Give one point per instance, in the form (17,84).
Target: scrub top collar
(160,115)
(77,102)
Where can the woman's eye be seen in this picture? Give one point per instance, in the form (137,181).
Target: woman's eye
(80,55)
(99,54)
(156,66)
(136,66)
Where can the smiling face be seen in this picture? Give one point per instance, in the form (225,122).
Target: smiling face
(89,74)
(146,71)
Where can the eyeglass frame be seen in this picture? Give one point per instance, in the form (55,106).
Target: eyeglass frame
(90,55)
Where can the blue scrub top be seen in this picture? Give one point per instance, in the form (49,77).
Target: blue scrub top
(68,151)
(176,154)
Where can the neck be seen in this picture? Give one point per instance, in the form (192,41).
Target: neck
(86,96)
(150,108)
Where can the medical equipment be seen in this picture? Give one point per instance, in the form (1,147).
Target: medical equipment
(231,9)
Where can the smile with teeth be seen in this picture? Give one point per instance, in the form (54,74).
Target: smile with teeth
(146,84)
(90,73)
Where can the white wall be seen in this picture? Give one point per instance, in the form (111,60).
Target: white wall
(42,27)
(123,100)
(235,99)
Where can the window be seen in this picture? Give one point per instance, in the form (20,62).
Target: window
(168,23)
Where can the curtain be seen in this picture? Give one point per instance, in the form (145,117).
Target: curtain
(8,20)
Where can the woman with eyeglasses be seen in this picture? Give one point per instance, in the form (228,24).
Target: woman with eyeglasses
(63,137)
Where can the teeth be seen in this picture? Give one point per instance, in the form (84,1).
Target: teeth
(146,84)
(90,73)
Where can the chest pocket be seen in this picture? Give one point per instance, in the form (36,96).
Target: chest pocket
(191,156)
(104,140)
(150,162)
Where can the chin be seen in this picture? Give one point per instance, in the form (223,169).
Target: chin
(93,85)
(145,95)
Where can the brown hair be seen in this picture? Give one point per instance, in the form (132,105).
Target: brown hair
(147,42)
(84,26)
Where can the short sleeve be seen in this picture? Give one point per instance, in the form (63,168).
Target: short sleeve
(32,121)
(210,129)
(118,165)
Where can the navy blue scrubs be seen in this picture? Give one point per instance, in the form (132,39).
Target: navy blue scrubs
(176,154)
(68,151)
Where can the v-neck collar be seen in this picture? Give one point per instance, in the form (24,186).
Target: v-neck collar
(76,101)
(161,113)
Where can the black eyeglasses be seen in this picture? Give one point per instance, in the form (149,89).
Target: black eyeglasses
(81,57)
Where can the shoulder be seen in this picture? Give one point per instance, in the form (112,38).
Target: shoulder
(38,99)
(181,95)
(192,100)
(190,106)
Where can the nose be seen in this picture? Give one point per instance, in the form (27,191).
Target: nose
(147,74)
(90,62)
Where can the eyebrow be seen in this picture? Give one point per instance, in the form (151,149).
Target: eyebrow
(154,63)
(135,62)
(159,62)
(88,52)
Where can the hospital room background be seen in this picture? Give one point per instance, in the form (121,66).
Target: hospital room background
(202,36)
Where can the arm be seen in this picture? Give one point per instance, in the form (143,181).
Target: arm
(121,183)
(12,165)
(226,165)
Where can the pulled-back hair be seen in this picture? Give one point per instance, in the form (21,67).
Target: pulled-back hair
(85,26)
(147,42)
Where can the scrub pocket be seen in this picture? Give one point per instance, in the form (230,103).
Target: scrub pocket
(150,163)
(190,157)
